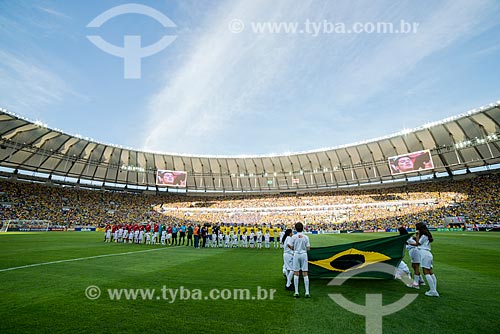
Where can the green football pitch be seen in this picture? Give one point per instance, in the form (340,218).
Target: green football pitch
(72,282)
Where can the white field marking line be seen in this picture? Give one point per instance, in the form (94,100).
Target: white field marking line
(83,258)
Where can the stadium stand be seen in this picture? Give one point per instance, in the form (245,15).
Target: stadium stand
(476,198)
(46,174)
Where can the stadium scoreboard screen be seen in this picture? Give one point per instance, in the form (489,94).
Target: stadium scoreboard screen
(171,178)
(411,162)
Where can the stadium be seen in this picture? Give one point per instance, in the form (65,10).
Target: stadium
(62,270)
(58,182)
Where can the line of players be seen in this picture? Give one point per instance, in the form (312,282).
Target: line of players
(232,239)
(214,237)
(127,233)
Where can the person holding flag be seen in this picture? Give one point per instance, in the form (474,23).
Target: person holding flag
(288,259)
(424,245)
(403,269)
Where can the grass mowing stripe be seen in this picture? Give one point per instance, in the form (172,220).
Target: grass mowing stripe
(80,259)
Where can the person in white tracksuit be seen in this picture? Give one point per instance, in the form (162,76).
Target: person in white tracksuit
(403,269)
(288,259)
(424,245)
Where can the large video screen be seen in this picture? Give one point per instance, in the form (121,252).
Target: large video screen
(411,162)
(171,178)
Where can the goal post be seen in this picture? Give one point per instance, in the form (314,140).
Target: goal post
(26,225)
(5,225)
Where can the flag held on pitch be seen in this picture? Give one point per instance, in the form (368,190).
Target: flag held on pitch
(327,262)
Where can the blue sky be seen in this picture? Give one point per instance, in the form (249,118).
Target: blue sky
(216,92)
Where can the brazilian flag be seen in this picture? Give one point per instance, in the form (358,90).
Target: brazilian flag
(328,262)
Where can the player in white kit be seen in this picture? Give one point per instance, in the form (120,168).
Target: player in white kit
(168,240)
(281,238)
(235,240)
(252,239)
(119,235)
(259,238)
(220,238)
(141,236)
(267,239)
(227,240)
(213,244)
(300,245)
(244,240)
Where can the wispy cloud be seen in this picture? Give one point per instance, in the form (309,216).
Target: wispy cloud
(31,71)
(310,83)
(487,51)
(27,85)
(53,12)
(395,57)
(223,74)
(22,21)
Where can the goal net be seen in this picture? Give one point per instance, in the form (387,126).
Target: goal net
(32,225)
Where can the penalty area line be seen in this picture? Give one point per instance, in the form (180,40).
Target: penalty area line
(81,259)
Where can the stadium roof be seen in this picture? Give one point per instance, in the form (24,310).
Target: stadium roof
(456,144)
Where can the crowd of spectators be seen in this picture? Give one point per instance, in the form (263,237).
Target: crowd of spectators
(477,199)
(71,206)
